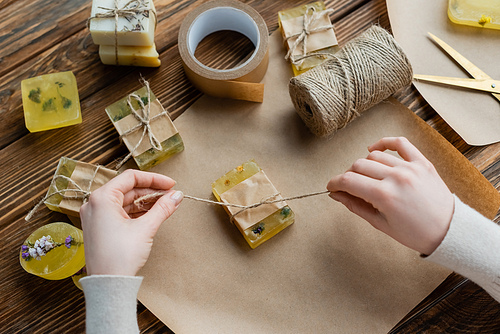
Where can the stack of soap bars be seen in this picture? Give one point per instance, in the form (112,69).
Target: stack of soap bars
(124,31)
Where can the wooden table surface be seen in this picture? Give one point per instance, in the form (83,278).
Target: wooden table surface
(40,36)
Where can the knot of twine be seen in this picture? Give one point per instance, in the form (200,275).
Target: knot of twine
(133,7)
(141,201)
(310,17)
(79,193)
(367,70)
(144,122)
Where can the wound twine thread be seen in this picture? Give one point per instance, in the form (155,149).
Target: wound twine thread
(141,201)
(79,193)
(367,70)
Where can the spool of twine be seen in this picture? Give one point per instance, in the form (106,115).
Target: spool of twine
(367,70)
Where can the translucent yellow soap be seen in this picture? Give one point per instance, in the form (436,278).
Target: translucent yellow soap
(145,56)
(264,229)
(476,13)
(292,13)
(50,101)
(63,259)
(151,157)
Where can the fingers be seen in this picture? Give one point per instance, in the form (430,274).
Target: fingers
(399,144)
(360,207)
(164,207)
(131,179)
(355,184)
(371,168)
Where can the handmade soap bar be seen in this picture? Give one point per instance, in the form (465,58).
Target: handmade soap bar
(54,251)
(476,13)
(84,177)
(134,28)
(245,185)
(50,101)
(291,22)
(144,153)
(145,56)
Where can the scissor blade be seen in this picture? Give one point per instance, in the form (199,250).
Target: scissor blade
(472,69)
(491,86)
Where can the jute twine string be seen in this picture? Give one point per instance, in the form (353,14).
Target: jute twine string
(133,7)
(143,116)
(141,201)
(79,193)
(310,17)
(367,70)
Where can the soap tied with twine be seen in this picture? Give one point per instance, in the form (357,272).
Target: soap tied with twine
(367,70)
(313,31)
(146,127)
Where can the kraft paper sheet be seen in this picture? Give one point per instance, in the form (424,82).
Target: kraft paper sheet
(474,115)
(330,272)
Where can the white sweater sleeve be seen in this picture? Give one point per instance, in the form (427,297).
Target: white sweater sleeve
(111,303)
(471,248)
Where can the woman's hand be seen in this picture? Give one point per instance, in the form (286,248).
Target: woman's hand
(404,198)
(118,235)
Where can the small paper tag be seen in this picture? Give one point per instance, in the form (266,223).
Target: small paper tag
(316,40)
(253,190)
(82,176)
(162,127)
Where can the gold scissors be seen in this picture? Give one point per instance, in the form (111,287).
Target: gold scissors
(481,81)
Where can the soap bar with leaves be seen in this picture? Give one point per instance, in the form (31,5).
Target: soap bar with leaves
(133,133)
(319,40)
(50,101)
(54,251)
(476,13)
(136,27)
(73,174)
(248,184)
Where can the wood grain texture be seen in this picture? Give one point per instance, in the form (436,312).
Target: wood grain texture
(41,36)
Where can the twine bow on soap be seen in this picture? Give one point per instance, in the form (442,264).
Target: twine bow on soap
(144,122)
(310,17)
(79,193)
(133,7)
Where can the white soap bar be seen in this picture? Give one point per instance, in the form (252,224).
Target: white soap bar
(145,56)
(134,29)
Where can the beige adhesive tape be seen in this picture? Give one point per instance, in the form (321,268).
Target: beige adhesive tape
(241,82)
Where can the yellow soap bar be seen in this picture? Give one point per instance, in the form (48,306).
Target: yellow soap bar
(133,29)
(296,12)
(264,229)
(476,13)
(60,255)
(50,101)
(145,56)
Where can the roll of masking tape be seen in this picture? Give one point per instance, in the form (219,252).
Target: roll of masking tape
(241,82)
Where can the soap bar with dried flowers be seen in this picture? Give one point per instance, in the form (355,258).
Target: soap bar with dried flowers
(248,184)
(136,22)
(145,56)
(319,39)
(133,133)
(73,181)
(54,251)
(50,101)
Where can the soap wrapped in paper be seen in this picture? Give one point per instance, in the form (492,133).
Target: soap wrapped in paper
(246,185)
(139,140)
(74,174)
(321,38)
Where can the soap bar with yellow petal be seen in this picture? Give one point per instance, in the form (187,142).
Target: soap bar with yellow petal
(243,180)
(50,101)
(476,13)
